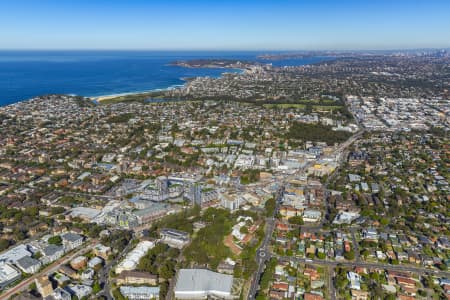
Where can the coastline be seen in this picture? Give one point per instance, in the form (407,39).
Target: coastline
(104,97)
(74,73)
(110,90)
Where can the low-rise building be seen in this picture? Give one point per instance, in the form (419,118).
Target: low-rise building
(44,286)
(102,251)
(68,271)
(355,281)
(311,215)
(8,274)
(140,293)
(15,253)
(79,290)
(174,238)
(136,277)
(202,283)
(71,240)
(28,264)
(94,262)
(78,262)
(61,294)
(60,279)
(51,253)
(132,259)
(226,267)
(87,274)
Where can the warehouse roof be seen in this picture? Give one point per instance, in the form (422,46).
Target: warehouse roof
(203,281)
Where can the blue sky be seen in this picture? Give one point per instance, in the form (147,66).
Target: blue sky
(224,25)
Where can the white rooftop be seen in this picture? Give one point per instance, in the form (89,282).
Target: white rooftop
(132,259)
(14,254)
(202,283)
(7,272)
(85,212)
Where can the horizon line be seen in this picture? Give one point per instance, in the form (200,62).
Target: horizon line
(228,49)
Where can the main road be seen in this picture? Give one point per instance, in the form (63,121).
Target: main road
(23,285)
(263,252)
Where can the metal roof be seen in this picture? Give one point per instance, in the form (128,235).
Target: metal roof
(202,281)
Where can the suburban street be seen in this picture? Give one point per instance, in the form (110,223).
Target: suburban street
(331,282)
(257,150)
(355,244)
(403,268)
(22,286)
(263,253)
(104,277)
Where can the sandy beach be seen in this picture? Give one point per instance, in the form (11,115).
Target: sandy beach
(112,96)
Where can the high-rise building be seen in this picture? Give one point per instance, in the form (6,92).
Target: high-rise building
(195,193)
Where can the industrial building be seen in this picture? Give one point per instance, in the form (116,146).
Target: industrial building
(8,274)
(203,284)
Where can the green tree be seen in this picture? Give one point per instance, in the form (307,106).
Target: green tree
(350,255)
(244,230)
(167,270)
(55,240)
(365,253)
(4,244)
(163,289)
(384,221)
(96,288)
(19,234)
(297,220)
(270,207)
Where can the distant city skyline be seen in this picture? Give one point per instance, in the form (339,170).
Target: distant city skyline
(229,25)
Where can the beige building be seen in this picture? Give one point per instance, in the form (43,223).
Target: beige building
(44,286)
(136,277)
(78,262)
(102,251)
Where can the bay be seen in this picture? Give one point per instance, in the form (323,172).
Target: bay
(27,74)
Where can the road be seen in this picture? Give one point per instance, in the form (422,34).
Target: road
(331,283)
(355,244)
(350,141)
(263,252)
(402,268)
(22,286)
(172,282)
(90,196)
(103,276)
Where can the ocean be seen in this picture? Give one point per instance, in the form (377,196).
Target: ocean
(26,74)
